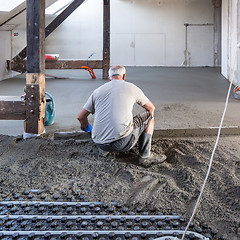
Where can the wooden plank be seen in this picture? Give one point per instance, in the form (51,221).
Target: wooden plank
(106,38)
(196,132)
(161,133)
(12,108)
(52,26)
(18,66)
(62,64)
(73,64)
(35,79)
(72,135)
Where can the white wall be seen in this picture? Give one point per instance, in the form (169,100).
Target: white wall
(76,38)
(5,50)
(151,32)
(17,38)
(230,39)
(80,35)
(143,32)
(5,53)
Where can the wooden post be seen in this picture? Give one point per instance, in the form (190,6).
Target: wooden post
(35,79)
(106,38)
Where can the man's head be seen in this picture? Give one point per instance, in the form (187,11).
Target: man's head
(117,72)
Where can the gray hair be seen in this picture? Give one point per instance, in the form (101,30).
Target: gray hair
(116,71)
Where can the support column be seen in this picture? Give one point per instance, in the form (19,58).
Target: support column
(238,42)
(217,36)
(35,79)
(106,38)
(225,39)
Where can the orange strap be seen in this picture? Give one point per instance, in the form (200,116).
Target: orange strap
(90,70)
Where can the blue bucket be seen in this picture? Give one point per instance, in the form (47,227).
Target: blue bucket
(49,110)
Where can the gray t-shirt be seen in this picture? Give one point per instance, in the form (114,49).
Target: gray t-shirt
(112,104)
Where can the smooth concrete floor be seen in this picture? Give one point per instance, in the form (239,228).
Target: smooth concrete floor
(184,97)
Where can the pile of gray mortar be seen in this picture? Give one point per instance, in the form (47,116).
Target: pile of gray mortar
(172,186)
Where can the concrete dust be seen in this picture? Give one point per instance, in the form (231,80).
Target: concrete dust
(172,186)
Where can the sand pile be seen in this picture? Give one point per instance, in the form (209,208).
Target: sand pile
(170,187)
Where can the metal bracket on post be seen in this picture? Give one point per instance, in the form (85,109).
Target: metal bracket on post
(32,108)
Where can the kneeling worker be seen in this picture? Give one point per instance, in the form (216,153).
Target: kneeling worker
(115,129)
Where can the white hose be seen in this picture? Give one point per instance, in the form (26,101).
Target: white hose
(100,232)
(211,160)
(214,149)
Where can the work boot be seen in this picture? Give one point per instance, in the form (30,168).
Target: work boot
(152,159)
(146,157)
(102,153)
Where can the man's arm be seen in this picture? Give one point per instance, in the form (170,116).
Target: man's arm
(82,118)
(149,107)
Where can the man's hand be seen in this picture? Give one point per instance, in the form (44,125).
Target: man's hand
(82,118)
(149,107)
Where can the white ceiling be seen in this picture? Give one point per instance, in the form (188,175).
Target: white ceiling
(6,15)
(7,6)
